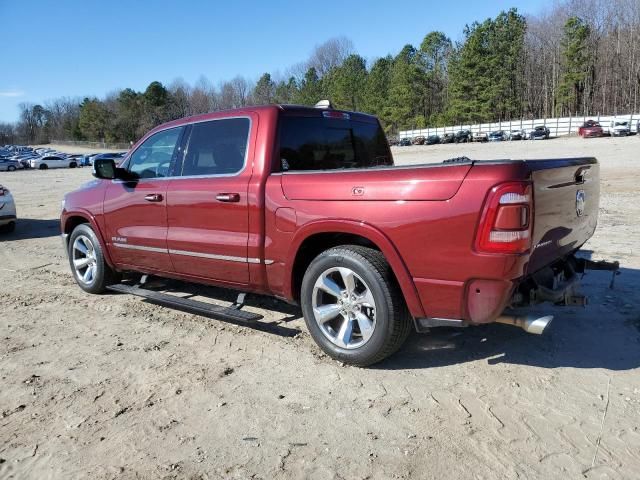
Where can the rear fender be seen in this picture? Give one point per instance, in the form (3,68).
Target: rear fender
(370,233)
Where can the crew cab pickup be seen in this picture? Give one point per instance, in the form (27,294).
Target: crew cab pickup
(305,204)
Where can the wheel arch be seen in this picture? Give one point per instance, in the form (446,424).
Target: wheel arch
(72,219)
(319,236)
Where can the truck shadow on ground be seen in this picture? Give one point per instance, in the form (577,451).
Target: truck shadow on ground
(605,334)
(27,228)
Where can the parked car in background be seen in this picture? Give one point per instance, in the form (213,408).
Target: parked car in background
(53,161)
(447,138)
(590,128)
(7,211)
(516,135)
(75,157)
(497,136)
(393,142)
(619,128)
(25,159)
(479,137)
(540,132)
(432,140)
(405,142)
(463,136)
(9,165)
(87,159)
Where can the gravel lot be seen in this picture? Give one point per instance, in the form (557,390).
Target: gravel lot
(113,387)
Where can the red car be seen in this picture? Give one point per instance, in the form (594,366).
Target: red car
(590,128)
(305,204)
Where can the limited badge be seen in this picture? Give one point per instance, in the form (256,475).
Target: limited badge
(580,197)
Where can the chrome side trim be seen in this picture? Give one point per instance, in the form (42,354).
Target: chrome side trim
(140,247)
(213,256)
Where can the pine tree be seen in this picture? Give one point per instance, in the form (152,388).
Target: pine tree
(310,91)
(346,83)
(403,107)
(577,64)
(376,89)
(264,91)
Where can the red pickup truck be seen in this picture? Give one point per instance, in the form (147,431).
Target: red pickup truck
(305,204)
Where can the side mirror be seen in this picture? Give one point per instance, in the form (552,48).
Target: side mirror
(104,169)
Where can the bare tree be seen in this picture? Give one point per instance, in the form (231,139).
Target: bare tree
(241,89)
(330,54)
(180,93)
(203,97)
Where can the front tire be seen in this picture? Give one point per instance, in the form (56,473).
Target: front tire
(11,168)
(87,262)
(44,166)
(352,305)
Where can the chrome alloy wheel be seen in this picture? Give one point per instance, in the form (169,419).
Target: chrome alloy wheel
(84,259)
(344,307)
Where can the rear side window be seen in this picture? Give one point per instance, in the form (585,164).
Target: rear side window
(318,143)
(218,147)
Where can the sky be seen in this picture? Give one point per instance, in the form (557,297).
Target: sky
(79,48)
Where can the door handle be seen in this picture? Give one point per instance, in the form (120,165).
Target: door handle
(228,197)
(153,197)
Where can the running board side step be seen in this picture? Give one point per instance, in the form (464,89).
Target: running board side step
(231,314)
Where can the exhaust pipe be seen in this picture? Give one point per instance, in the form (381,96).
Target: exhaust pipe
(529,323)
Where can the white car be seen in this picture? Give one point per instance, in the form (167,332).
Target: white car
(619,128)
(7,211)
(53,161)
(479,137)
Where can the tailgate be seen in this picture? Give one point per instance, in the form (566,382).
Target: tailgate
(566,197)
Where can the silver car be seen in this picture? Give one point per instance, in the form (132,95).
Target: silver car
(7,211)
(9,165)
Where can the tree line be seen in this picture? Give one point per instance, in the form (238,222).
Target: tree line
(579,57)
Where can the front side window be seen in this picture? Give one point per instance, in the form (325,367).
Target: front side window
(316,143)
(152,159)
(217,147)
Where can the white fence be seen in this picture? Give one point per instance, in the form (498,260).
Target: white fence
(557,126)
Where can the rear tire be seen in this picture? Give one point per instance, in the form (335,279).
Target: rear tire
(11,168)
(73,165)
(353,307)
(90,270)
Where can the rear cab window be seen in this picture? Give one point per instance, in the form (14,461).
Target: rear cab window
(332,141)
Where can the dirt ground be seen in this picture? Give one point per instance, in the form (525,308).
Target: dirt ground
(110,386)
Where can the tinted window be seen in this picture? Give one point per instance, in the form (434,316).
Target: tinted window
(313,143)
(217,147)
(153,158)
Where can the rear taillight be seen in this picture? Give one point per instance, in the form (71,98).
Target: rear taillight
(3,191)
(506,221)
